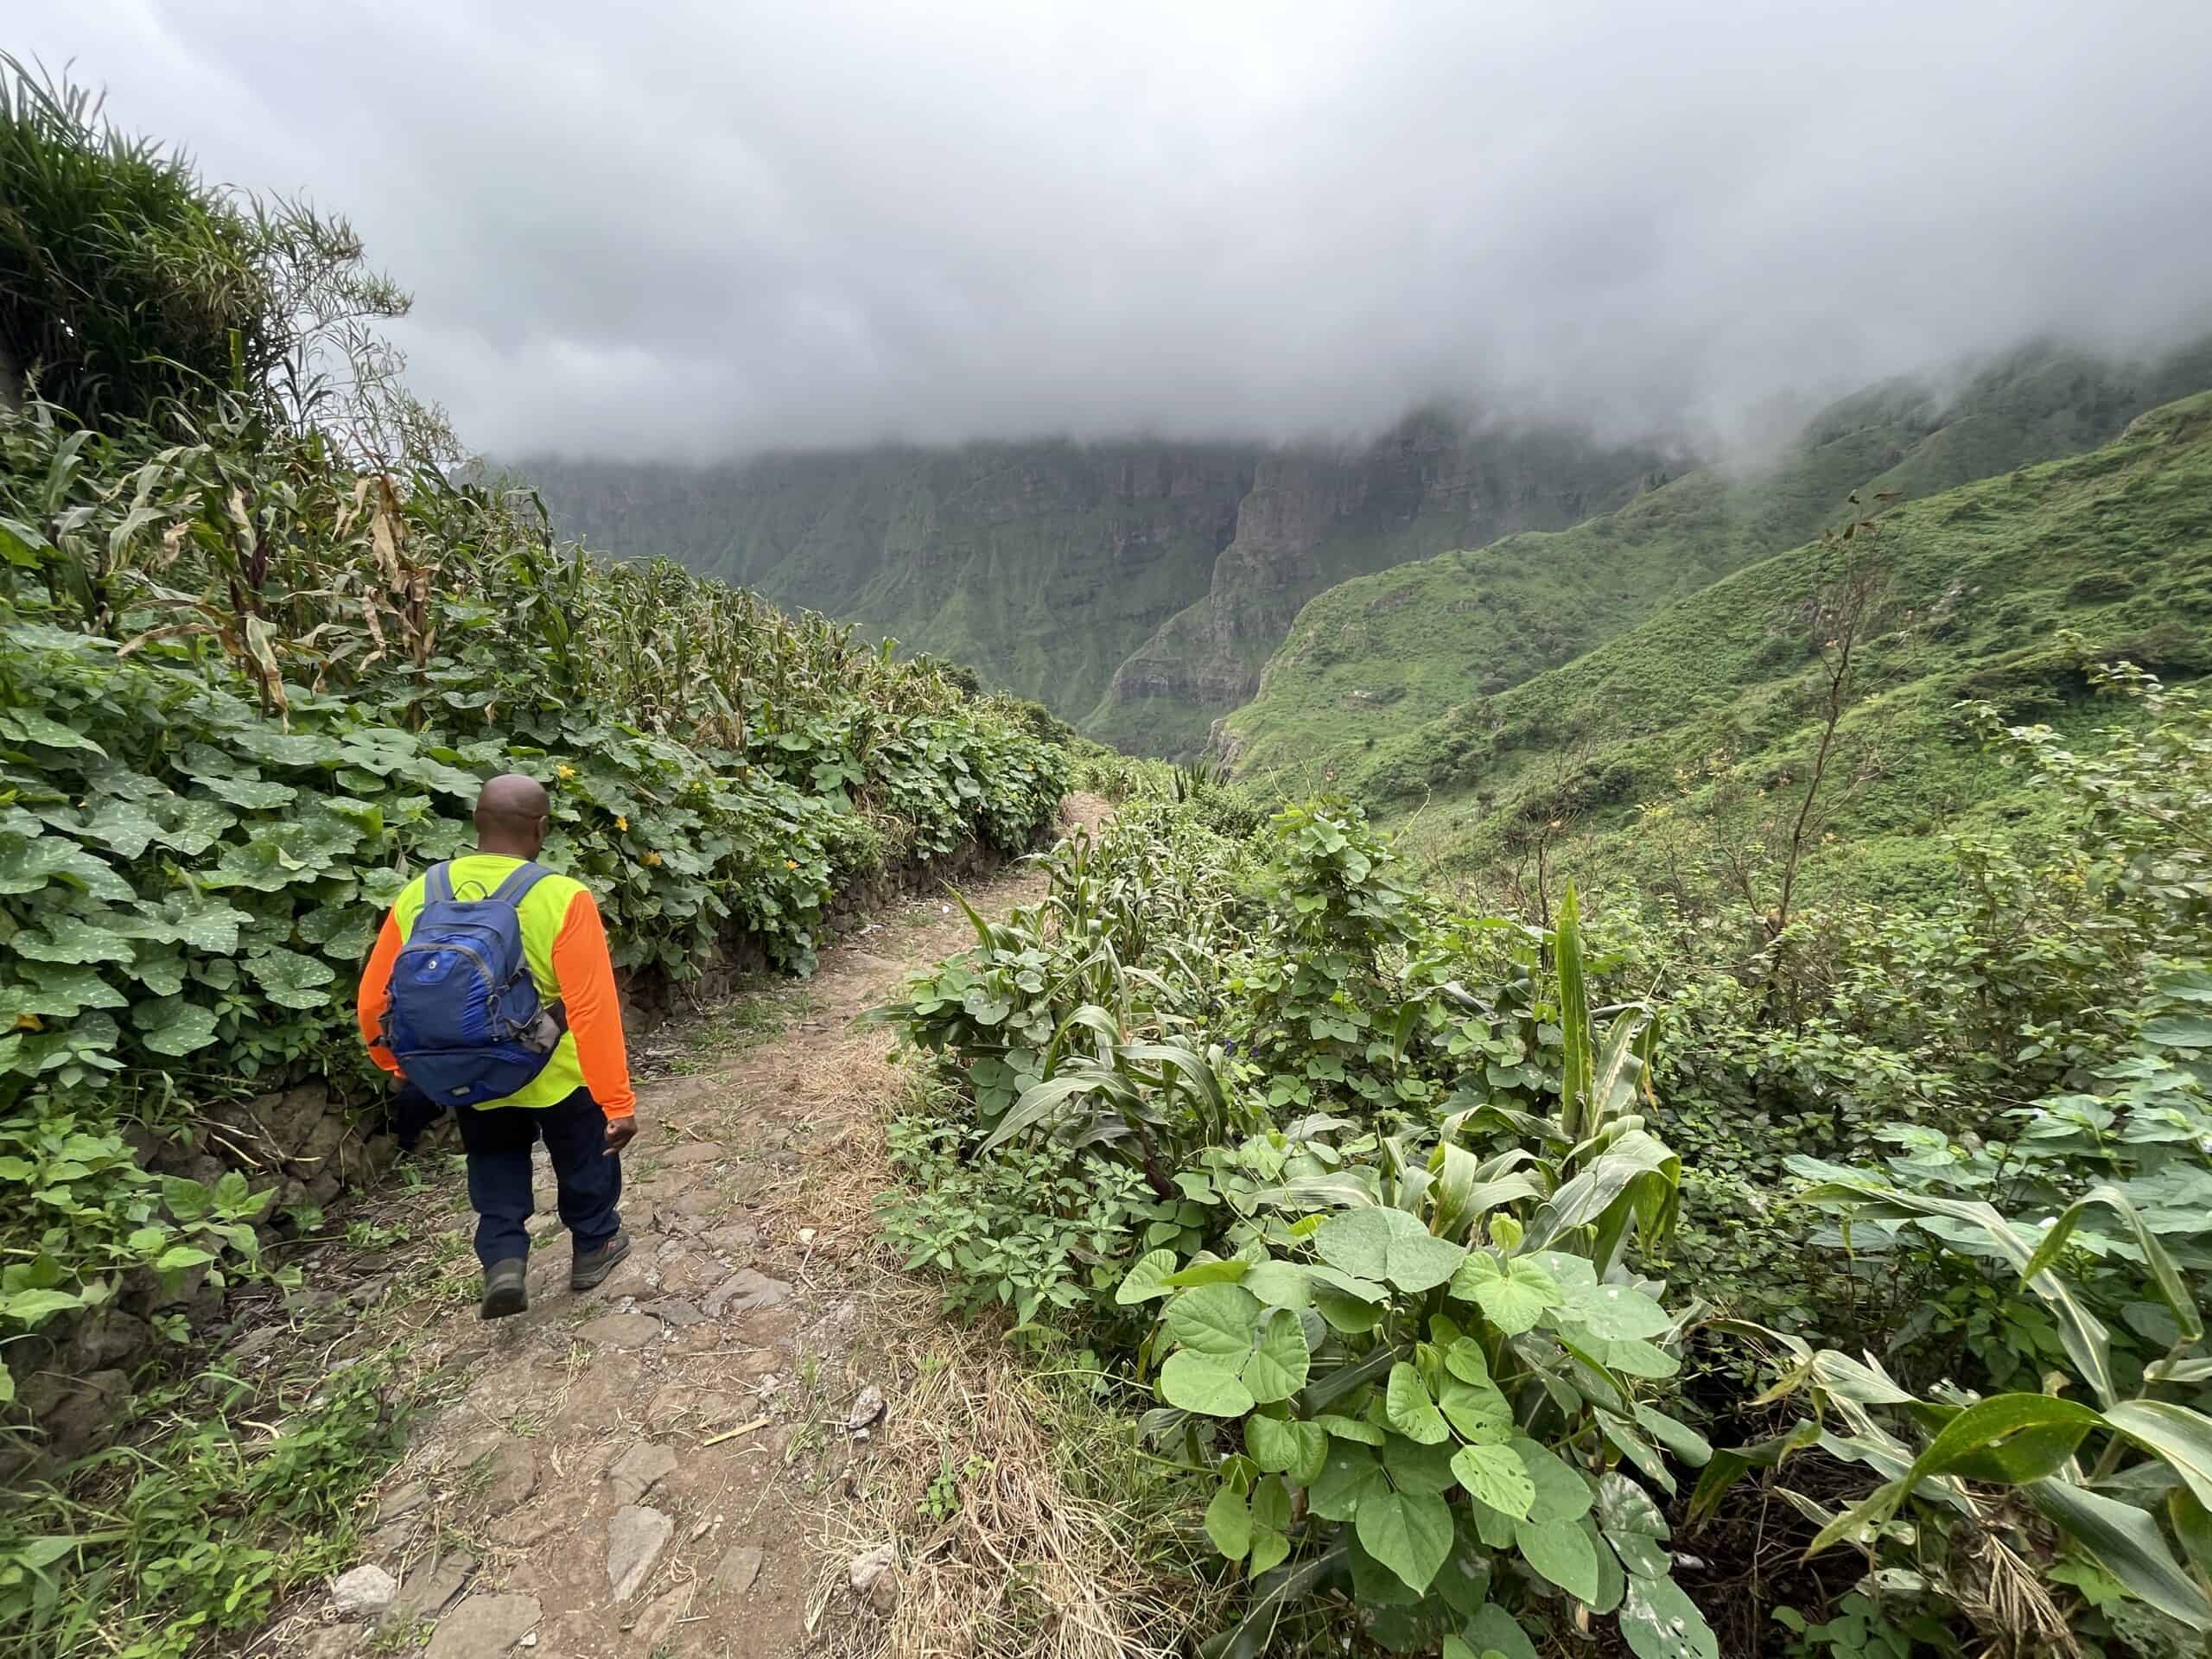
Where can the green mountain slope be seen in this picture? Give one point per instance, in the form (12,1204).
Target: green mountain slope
(2006,590)
(1374,660)
(1135,587)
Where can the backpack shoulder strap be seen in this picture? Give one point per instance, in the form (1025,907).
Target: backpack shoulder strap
(519,881)
(437,885)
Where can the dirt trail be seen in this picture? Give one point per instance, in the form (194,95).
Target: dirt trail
(659,1467)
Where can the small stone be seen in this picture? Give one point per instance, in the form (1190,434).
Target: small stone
(520,1530)
(635,1538)
(401,1501)
(362,1593)
(658,1620)
(640,1469)
(743,1292)
(874,1579)
(674,1310)
(739,1566)
(620,1329)
(701,1201)
(734,1239)
(513,1477)
(693,1151)
(868,1409)
(483,1627)
(430,1589)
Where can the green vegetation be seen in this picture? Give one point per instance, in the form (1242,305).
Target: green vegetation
(1679,752)
(253,668)
(1375,671)
(1470,1267)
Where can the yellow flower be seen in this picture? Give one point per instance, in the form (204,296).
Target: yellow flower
(621,823)
(564,772)
(791,863)
(653,860)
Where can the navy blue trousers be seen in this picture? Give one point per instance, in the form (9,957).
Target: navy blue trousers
(587,1177)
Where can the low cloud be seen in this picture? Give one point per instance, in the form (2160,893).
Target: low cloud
(697,229)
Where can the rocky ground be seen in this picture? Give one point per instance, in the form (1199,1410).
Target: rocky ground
(683,1461)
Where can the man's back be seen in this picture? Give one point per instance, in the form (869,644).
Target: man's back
(565,944)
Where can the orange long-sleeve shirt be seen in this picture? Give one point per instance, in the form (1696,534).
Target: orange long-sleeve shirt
(565,944)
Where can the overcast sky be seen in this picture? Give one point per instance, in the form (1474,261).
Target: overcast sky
(705,227)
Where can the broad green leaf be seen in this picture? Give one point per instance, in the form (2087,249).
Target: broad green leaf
(1616,1313)
(1213,1319)
(2010,1437)
(27,865)
(1462,1357)
(1216,1272)
(1477,1410)
(1414,1466)
(1378,1243)
(1513,1296)
(1286,1446)
(1207,1386)
(1495,1630)
(1280,1284)
(290,979)
(1143,1281)
(53,990)
(1279,1365)
(2129,1544)
(1410,1410)
(1612,1581)
(1635,1358)
(1679,1438)
(2181,1437)
(2180,1031)
(1270,1527)
(70,939)
(173,1025)
(29,1306)
(1633,1525)
(1350,1428)
(1659,1621)
(1496,1474)
(1410,1533)
(1229,1522)
(1346,1479)
(1562,1552)
(1352,1315)
(179,1256)
(1561,1494)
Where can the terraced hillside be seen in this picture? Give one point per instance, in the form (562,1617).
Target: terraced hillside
(1374,660)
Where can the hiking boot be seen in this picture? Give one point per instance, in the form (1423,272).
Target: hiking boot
(504,1290)
(592,1267)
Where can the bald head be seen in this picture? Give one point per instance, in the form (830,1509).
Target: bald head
(512,815)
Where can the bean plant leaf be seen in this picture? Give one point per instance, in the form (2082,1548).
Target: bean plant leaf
(1411,1412)
(1379,1243)
(1497,1476)
(1213,1319)
(1477,1410)
(1143,1282)
(1659,1621)
(1229,1522)
(1347,1480)
(1280,1284)
(1410,1533)
(1513,1296)
(1616,1314)
(1349,1428)
(1562,1552)
(1286,1446)
(1279,1365)
(1633,1525)
(1561,1494)
(1492,1630)
(1197,1382)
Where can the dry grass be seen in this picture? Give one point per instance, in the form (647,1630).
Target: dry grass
(1023,1567)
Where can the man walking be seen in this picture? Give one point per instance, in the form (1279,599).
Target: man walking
(490,990)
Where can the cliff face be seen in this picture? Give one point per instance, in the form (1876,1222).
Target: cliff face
(1311,520)
(1135,588)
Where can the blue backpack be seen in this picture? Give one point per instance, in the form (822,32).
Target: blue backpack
(464,1022)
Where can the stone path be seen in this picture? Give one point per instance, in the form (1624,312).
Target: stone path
(654,1469)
